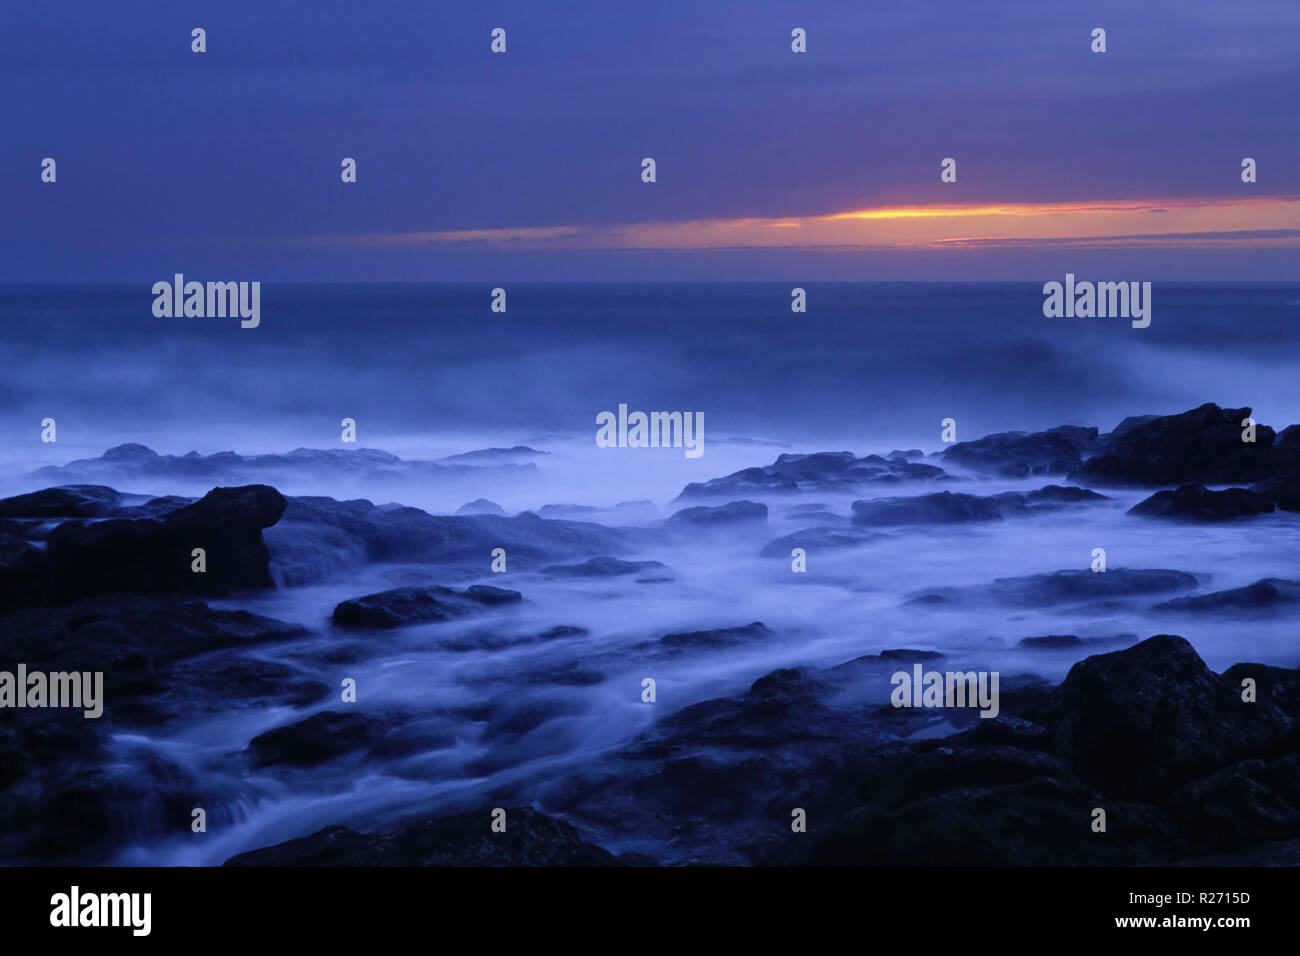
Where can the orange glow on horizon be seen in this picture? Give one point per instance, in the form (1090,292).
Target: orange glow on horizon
(1269,220)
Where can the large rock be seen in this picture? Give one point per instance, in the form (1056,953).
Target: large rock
(1181,764)
(1197,503)
(155,555)
(1057,451)
(1202,445)
(1142,722)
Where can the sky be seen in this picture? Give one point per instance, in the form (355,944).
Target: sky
(770,164)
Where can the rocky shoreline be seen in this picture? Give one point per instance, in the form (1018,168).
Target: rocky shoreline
(1188,765)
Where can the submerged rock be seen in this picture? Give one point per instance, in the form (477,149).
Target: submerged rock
(1265,595)
(602,567)
(821,539)
(944,507)
(1063,587)
(734,512)
(317,739)
(399,607)
(718,637)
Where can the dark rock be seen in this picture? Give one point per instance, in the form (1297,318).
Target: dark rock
(1263,595)
(732,513)
(1052,641)
(602,567)
(530,839)
(1141,722)
(820,539)
(718,637)
(1047,498)
(1282,490)
(1064,587)
(128,464)
(496,455)
(154,556)
(822,471)
(317,739)
(320,536)
(22,572)
(949,508)
(399,607)
(1038,822)
(497,641)
(58,776)
(1202,445)
(133,639)
(1132,422)
(68,501)
(941,508)
(1255,801)
(154,507)
(1196,502)
(1057,451)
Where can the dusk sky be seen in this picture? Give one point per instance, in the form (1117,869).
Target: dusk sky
(770,164)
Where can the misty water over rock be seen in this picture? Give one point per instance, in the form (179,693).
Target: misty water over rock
(660,681)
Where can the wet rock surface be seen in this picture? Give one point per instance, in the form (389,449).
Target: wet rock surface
(399,607)
(1197,503)
(823,471)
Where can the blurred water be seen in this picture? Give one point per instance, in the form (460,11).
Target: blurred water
(429,371)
